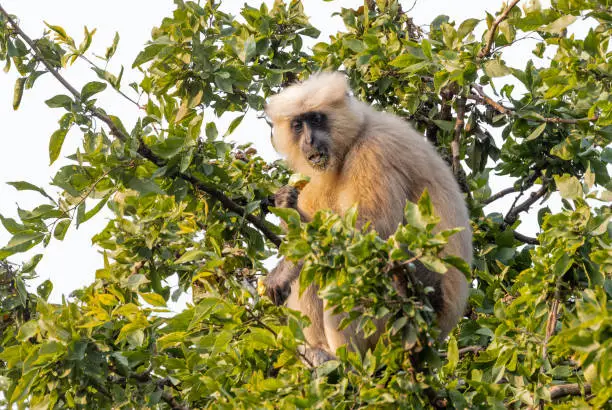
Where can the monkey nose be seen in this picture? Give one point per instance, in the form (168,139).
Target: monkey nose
(315,158)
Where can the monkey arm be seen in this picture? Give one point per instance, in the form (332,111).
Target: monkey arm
(278,281)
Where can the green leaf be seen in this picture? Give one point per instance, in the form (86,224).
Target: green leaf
(536,133)
(154,299)
(211,131)
(61,33)
(404,60)
(426,46)
(61,228)
(466,27)
(171,340)
(30,265)
(445,125)
(224,83)
(433,263)
(189,256)
(18,92)
(235,123)
(250,48)
(145,186)
(148,54)
(60,101)
(93,211)
(557,26)
(44,289)
(496,68)
(55,144)
(26,186)
(136,280)
(27,330)
(569,186)
(11,225)
(355,45)
(23,238)
(92,88)
(169,147)
(452,353)
(110,51)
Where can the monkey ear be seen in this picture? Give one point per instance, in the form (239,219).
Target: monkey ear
(321,90)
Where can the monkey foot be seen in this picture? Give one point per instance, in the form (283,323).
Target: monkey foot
(315,356)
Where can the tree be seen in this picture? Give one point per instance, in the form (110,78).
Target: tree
(188,203)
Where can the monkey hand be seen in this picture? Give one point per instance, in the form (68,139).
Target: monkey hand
(277,287)
(286,197)
(278,282)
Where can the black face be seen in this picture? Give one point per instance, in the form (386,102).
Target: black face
(311,131)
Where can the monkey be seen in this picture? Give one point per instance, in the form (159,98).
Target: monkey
(355,154)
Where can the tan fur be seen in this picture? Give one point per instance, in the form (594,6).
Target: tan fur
(378,161)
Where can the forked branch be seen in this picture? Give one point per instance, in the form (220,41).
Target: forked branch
(486,51)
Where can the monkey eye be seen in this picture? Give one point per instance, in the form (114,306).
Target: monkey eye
(297,126)
(317,118)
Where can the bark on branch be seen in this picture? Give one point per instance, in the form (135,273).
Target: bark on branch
(143,150)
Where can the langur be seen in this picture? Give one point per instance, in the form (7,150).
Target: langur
(354,154)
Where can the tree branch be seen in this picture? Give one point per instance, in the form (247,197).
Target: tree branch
(456,142)
(486,51)
(143,150)
(524,185)
(526,239)
(482,98)
(551,323)
(572,389)
(515,210)
(498,195)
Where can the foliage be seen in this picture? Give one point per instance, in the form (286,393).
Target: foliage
(188,203)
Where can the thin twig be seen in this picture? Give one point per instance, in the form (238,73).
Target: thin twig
(486,51)
(124,95)
(465,350)
(143,150)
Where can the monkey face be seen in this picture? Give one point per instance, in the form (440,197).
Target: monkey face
(311,133)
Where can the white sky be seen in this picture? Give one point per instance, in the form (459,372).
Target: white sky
(24,134)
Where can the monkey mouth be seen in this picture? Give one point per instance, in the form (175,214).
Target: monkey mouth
(318,159)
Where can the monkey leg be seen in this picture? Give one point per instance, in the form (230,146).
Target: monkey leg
(309,304)
(348,336)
